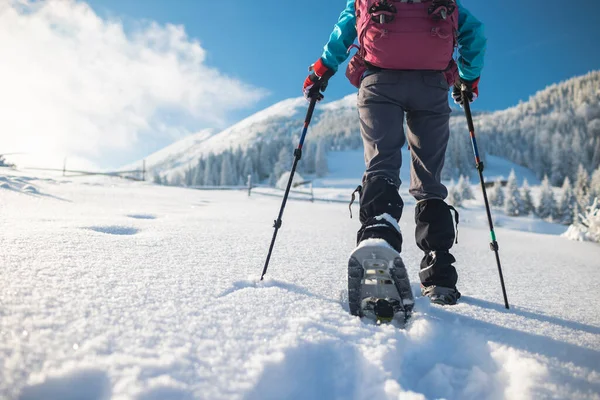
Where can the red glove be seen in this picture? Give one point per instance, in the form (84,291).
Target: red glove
(471,90)
(316,81)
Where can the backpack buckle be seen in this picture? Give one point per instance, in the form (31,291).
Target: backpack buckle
(382,12)
(440,9)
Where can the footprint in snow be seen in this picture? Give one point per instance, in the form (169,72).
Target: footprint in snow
(114,230)
(142,216)
(88,384)
(30,189)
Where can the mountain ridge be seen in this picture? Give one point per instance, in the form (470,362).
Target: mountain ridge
(570,104)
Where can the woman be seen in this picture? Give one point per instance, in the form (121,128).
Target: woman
(404,66)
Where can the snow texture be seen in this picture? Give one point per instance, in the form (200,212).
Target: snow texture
(125,290)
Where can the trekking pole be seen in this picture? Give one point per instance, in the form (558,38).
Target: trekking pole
(479,166)
(315,96)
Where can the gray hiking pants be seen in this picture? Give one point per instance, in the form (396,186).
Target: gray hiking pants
(383,99)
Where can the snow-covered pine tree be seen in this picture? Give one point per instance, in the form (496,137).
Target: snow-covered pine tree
(227,177)
(464,186)
(595,182)
(321,168)
(309,154)
(210,171)
(176,180)
(454,195)
(237,162)
(449,171)
(199,173)
(188,176)
(528,206)
(265,167)
(513,204)
(566,206)
(497,194)
(157,179)
(248,169)
(547,207)
(587,224)
(558,172)
(591,219)
(272,181)
(284,163)
(582,187)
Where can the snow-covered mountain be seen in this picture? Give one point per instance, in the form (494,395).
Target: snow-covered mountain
(187,151)
(281,122)
(551,133)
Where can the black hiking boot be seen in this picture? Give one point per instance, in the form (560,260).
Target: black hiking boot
(441,295)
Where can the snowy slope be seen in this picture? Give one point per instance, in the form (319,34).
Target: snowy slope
(347,167)
(284,119)
(278,119)
(520,133)
(121,290)
(179,153)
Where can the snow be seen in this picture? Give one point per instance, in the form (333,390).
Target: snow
(283,180)
(389,219)
(347,167)
(182,152)
(268,122)
(499,168)
(125,290)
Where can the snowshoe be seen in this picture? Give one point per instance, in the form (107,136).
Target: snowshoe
(378,284)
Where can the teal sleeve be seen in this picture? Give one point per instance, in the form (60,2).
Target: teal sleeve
(471,44)
(342,37)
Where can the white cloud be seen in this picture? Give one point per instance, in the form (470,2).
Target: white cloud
(72,83)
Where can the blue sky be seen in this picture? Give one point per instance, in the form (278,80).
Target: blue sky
(111,84)
(269,43)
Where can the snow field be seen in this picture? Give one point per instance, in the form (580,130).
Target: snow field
(119,290)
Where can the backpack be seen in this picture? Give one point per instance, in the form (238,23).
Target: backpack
(405,35)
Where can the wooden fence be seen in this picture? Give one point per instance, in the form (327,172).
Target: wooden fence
(133,175)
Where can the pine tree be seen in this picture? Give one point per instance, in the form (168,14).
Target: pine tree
(567,204)
(265,167)
(188,176)
(575,214)
(464,186)
(227,177)
(588,222)
(454,195)
(157,179)
(210,171)
(284,162)
(248,169)
(321,159)
(272,181)
(528,206)
(558,157)
(309,154)
(448,172)
(582,188)
(237,162)
(513,204)
(176,180)
(547,207)
(595,183)
(497,194)
(199,173)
